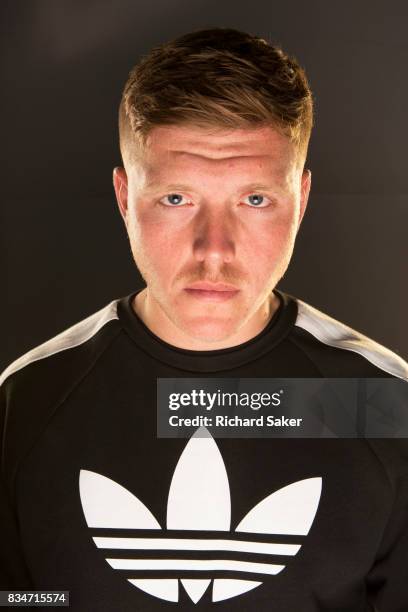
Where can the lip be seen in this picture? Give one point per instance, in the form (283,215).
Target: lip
(206,286)
(212,292)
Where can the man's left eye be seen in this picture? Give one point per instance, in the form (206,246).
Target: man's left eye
(256,200)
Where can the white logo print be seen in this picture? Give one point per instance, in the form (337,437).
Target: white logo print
(199,500)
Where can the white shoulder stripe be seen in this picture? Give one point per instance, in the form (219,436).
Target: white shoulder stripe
(71,337)
(336,334)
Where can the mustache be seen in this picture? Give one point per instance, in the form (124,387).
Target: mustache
(201,273)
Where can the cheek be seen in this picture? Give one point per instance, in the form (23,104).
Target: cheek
(154,245)
(269,244)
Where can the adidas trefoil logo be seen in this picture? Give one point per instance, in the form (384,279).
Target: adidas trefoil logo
(199,500)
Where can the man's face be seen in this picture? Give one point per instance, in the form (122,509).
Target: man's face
(212,217)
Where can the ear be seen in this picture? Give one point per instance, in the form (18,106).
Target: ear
(306,182)
(120,184)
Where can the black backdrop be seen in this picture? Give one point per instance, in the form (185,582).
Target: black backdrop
(64,250)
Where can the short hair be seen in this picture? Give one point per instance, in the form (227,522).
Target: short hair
(216,78)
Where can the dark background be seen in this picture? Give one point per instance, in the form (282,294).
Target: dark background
(64,250)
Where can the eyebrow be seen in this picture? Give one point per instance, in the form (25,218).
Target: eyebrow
(174,187)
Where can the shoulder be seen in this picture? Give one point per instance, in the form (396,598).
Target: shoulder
(34,386)
(78,336)
(335,345)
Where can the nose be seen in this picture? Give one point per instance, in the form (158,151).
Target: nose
(214,237)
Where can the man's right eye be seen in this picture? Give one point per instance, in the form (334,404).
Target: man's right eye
(173,199)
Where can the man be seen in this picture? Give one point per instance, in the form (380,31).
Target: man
(214,129)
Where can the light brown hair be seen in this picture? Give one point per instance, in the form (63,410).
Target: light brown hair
(218,77)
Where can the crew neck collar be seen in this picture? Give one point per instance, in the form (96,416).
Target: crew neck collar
(212,360)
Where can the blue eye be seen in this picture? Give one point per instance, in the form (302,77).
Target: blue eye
(255,199)
(172,199)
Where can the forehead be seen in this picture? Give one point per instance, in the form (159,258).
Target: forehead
(182,148)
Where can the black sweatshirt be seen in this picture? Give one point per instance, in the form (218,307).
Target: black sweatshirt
(93,502)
